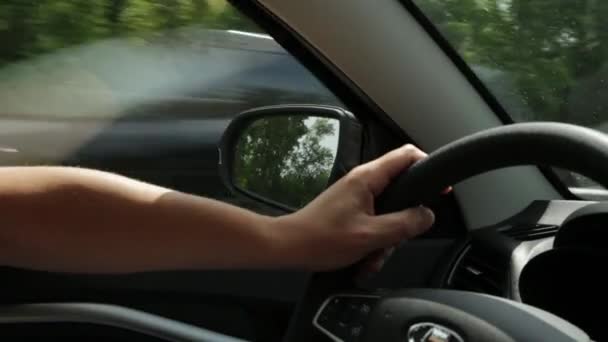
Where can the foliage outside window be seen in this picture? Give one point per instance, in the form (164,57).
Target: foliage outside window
(287,159)
(143,70)
(544,60)
(34,27)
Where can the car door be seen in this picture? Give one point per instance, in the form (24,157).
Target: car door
(145,88)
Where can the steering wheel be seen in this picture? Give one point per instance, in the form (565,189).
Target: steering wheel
(418,315)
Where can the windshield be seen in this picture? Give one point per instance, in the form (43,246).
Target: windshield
(543,60)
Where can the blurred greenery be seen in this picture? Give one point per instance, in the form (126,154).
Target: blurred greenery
(118,60)
(542,59)
(286,158)
(29,28)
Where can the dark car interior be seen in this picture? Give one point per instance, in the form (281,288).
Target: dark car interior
(509,259)
(548,256)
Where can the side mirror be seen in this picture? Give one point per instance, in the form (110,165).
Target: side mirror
(286,155)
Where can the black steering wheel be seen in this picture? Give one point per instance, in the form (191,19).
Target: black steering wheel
(445,315)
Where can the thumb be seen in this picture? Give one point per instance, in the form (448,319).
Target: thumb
(406,224)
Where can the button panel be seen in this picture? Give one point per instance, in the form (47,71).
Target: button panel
(343,317)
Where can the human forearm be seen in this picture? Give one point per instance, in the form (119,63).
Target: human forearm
(77,220)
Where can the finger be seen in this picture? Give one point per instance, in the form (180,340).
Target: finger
(375,261)
(376,264)
(369,263)
(406,224)
(382,170)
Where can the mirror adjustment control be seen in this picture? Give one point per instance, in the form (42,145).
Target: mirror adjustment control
(342,317)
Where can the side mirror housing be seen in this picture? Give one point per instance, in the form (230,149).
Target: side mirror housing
(286,155)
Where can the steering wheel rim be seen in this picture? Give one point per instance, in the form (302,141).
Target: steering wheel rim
(534,143)
(552,144)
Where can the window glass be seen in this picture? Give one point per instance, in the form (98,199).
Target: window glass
(544,60)
(140,87)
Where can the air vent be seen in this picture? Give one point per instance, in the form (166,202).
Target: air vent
(531,232)
(476,272)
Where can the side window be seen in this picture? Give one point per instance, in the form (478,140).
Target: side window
(139,87)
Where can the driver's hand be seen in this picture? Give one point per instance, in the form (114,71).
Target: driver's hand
(340,227)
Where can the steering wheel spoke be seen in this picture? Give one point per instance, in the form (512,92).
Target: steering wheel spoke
(431,315)
(342,317)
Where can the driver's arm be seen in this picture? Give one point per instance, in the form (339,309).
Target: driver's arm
(80,220)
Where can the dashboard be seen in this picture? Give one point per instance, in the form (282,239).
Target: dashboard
(493,258)
(547,256)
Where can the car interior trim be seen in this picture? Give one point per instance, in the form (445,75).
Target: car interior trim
(110,315)
(416,56)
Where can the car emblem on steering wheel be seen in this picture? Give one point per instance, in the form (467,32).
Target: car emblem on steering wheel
(432,332)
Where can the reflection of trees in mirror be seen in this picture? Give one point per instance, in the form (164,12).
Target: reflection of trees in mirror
(287,159)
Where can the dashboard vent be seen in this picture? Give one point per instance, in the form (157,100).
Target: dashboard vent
(531,232)
(475,272)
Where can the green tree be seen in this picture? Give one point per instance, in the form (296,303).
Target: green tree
(30,28)
(544,60)
(548,52)
(284,158)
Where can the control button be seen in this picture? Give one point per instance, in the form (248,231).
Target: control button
(355,332)
(341,330)
(345,316)
(349,313)
(365,309)
(336,302)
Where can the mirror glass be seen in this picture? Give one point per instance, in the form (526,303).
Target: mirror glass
(287,158)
